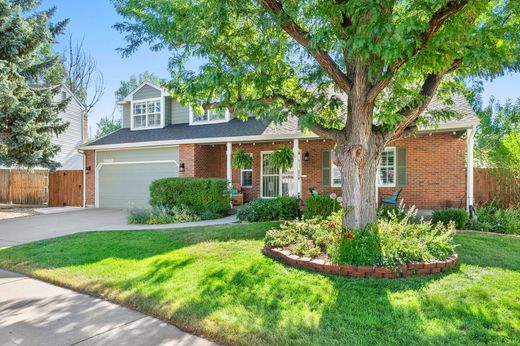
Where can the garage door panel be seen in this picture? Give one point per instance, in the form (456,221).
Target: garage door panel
(127,185)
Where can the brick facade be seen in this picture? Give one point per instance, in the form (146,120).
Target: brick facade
(436,173)
(436,170)
(90,161)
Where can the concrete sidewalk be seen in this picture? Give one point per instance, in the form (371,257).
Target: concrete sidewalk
(33,312)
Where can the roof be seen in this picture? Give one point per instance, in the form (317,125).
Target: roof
(256,130)
(234,130)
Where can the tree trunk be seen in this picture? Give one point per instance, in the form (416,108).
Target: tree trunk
(358,168)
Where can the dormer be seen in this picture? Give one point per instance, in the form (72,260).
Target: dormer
(146,107)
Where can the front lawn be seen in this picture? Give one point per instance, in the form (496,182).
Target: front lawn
(215,282)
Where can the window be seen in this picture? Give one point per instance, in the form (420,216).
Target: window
(246,176)
(209,116)
(147,114)
(387,168)
(335,178)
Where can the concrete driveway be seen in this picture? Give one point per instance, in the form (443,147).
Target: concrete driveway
(37,227)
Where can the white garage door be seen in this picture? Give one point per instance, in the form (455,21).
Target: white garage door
(123,183)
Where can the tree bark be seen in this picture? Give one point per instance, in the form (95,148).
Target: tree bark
(358,165)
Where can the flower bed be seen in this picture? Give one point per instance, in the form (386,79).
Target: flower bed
(396,245)
(320,265)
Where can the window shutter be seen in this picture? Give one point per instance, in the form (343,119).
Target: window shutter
(401,176)
(325,168)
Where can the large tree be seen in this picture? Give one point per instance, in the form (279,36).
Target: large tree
(277,58)
(29,114)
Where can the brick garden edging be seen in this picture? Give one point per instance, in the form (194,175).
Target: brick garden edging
(405,270)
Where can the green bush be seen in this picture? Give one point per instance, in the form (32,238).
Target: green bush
(161,215)
(198,194)
(494,218)
(389,243)
(457,215)
(279,208)
(388,212)
(320,206)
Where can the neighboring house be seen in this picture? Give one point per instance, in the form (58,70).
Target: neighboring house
(161,138)
(75,134)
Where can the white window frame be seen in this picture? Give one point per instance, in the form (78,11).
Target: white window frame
(205,122)
(332,167)
(280,175)
(246,170)
(162,113)
(380,183)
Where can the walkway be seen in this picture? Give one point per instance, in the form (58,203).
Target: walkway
(33,312)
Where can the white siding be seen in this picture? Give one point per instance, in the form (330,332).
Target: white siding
(68,155)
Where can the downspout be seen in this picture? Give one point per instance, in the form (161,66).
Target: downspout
(470,135)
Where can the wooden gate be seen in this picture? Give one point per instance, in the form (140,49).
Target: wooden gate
(492,184)
(23,186)
(66,188)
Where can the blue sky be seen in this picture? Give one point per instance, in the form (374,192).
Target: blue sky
(92,21)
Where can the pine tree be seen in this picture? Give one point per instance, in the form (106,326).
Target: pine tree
(29,112)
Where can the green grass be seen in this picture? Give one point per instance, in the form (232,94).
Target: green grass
(215,282)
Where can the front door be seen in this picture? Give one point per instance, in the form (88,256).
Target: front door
(276,182)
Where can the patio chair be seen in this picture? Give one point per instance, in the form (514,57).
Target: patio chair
(237,197)
(390,198)
(313,192)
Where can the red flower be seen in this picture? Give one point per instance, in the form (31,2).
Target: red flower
(332,225)
(349,235)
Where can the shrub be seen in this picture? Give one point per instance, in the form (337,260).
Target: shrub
(161,215)
(457,215)
(494,218)
(388,212)
(320,206)
(279,208)
(390,242)
(198,194)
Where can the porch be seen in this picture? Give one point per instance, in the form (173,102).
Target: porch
(262,180)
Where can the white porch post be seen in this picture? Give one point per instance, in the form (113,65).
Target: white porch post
(229,152)
(470,134)
(296,168)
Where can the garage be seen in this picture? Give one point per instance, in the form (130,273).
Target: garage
(124,176)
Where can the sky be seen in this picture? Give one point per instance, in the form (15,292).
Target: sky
(92,22)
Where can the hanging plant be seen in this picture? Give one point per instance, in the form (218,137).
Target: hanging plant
(282,158)
(242,160)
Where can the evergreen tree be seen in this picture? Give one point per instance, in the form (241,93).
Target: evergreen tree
(29,112)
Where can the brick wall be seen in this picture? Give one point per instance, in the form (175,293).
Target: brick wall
(90,160)
(435,166)
(436,171)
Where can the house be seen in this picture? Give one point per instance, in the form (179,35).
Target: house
(162,138)
(74,135)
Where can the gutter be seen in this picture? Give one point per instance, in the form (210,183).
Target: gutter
(470,133)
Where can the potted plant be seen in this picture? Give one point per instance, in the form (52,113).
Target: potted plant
(282,158)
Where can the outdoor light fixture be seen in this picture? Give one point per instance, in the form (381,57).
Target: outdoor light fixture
(88,169)
(306,156)
(181,167)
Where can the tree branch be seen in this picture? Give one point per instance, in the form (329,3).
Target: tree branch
(436,22)
(428,89)
(304,38)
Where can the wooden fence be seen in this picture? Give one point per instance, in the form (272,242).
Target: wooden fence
(23,187)
(495,184)
(66,188)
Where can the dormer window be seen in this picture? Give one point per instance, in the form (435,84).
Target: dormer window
(209,116)
(146,114)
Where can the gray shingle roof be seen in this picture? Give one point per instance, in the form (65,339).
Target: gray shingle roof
(233,128)
(255,127)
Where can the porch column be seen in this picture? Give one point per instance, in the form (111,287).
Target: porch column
(470,134)
(296,167)
(229,152)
